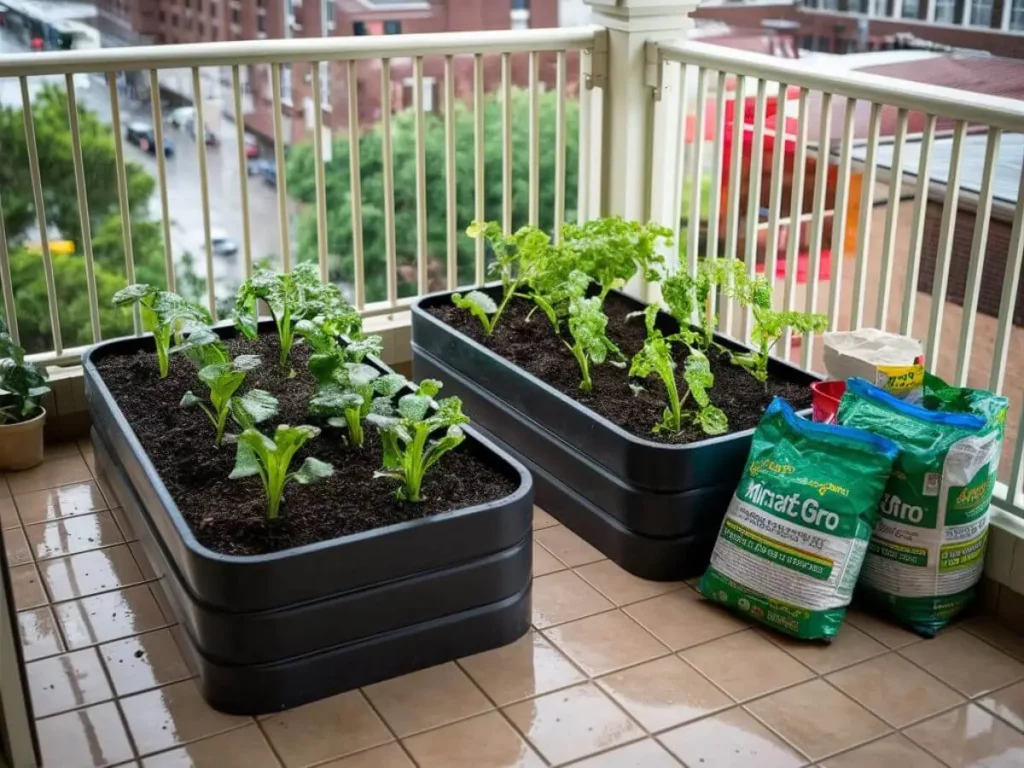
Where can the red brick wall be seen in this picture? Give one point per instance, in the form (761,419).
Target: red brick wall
(996,253)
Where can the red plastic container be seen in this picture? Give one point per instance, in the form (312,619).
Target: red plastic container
(825,400)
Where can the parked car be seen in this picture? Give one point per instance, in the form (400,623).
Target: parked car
(211,137)
(265,169)
(181,116)
(143,136)
(222,243)
(252,147)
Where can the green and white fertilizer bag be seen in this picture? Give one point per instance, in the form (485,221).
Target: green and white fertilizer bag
(928,549)
(795,534)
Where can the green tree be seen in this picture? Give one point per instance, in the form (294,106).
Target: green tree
(302,185)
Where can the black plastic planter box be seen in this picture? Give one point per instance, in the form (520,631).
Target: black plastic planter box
(650,507)
(274,631)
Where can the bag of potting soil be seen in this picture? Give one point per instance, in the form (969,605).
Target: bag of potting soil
(795,534)
(928,549)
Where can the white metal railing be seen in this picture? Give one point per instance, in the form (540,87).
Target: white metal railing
(277,53)
(876,261)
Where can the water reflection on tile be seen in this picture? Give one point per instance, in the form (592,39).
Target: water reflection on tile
(894,751)
(605,642)
(68,681)
(109,616)
(241,748)
(970,736)
(388,756)
(145,661)
(487,741)
(564,596)
(57,503)
(729,740)
(530,666)
(88,573)
(1007,704)
(640,754)
(84,738)
(39,635)
(73,534)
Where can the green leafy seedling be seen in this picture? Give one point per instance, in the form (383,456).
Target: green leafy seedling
(587,326)
(355,390)
(272,459)
(481,306)
(224,380)
(409,450)
(166,315)
(612,250)
(21,382)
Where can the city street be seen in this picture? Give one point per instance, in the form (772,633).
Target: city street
(183,179)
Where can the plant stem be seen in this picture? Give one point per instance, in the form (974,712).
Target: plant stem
(222,420)
(275,491)
(581,358)
(355,427)
(673,401)
(162,358)
(509,293)
(414,465)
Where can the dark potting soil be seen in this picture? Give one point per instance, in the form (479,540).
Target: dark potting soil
(534,347)
(229,516)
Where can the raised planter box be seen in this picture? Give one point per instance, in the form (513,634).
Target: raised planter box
(274,631)
(653,508)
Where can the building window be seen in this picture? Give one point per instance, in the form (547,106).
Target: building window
(163,17)
(392,27)
(261,24)
(325,83)
(331,14)
(981,13)
(236,16)
(201,30)
(1017,15)
(520,5)
(213,9)
(359,28)
(286,82)
(911,9)
(945,11)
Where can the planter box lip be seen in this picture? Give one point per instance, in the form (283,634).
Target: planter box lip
(419,312)
(92,374)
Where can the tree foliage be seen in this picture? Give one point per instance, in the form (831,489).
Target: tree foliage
(302,185)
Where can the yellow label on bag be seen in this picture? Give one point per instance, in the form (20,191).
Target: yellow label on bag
(899,380)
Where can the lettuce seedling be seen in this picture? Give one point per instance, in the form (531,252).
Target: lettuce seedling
(587,326)
(271,460)
(656,358)
(769,324)
(688,296)
(353,392)
(224,379)
(166,315)
(408,450)
(292,297)
(612,250)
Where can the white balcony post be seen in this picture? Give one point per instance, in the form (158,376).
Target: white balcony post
(629,80)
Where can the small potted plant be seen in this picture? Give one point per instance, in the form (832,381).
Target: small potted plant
(21,415)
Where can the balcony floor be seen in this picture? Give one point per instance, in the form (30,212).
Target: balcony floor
(615,672)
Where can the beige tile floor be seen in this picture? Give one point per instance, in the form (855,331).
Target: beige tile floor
(616,672)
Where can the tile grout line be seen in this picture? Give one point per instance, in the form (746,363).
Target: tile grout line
(387,725)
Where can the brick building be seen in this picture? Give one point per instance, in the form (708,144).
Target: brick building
(188,21)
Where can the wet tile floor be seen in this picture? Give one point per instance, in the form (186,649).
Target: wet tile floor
(616,672)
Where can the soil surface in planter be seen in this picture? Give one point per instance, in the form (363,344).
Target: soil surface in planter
(229,516)
(534,347)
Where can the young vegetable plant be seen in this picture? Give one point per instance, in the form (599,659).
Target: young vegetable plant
(21,383)
(355,391)
(612,250)
(166,315)
(687,296)
(409,450)
(292,297)
(769,324)
(656,358)
(271,460)
(587,327)
(224,379)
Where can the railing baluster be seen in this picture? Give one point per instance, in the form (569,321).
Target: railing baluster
(389,183)
(559,145)
(355,184)
(697,175)
(732,211)
(1008,302)
(204,189)
(1017,468)
(817,221)
(679,171)
(891,219)
(835,289)
(10,310)
(867,205)
(717,163)
(83,210)
(451,199)
(917,227)
(506,142)
(948,227)
(421,179)
(122,192)
(319,172)
(534,212)
(161,173)
(778,177)
(796,207)
(282,185)
(754,194)
(976,266)
(243,172)
(583,160)
(478,161)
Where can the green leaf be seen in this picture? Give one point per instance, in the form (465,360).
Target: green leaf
(698,376)
(390,384)
(247,362)
(712,420)
(311,471)
(414,407)
(189,400)
(133,293)
(361,376)
(360,349)
(429,387)
(246,462)
(259,404)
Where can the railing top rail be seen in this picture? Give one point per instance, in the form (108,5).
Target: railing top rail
(296,50)
(996,111)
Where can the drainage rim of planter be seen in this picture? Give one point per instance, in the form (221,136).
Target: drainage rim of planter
(262,582)
(639,461)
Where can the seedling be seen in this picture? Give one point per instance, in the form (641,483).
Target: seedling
(271,460)
(408,450)
(688,296)
(21,383)
(224,379)
(292,297)
(355,390)
(612,250)
(166,315)
(587,326)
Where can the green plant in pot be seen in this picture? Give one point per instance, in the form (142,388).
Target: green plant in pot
(21,415)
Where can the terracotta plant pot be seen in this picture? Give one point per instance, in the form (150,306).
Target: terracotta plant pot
(21,444)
